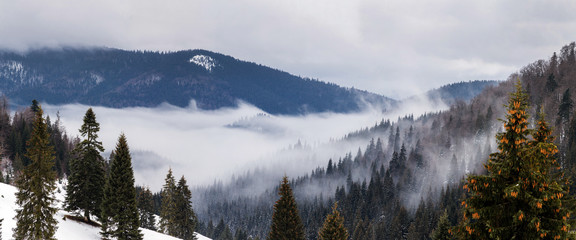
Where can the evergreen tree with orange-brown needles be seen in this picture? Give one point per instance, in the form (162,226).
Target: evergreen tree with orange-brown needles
(523,195)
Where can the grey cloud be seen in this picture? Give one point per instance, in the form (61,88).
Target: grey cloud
(383,46)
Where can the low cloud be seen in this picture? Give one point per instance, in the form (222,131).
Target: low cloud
(208,146)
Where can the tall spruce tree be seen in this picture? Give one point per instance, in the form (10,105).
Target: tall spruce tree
(146,208)
(87,171)
(168,211)
(36,185)
(286,221)
(442,231)
(521,196)
(120,218)
(333,227)
(185,216)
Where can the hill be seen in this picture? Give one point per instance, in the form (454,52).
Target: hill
(67,229)
(460,91)
(118,78)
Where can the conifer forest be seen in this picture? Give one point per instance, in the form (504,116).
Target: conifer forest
(499,165)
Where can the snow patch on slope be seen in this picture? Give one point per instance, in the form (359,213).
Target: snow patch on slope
(96,78)
(204,61)
(16,72)
(67,229)
(12,66)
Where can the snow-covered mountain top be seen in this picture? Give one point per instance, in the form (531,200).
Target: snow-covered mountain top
(204,61)
(67,229)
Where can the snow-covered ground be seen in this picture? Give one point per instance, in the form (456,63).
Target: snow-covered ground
(67,229)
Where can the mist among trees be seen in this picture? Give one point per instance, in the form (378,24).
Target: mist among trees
(439,175)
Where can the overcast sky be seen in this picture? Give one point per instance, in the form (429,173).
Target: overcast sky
(389,47)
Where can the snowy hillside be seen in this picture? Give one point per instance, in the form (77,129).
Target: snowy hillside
(67,229)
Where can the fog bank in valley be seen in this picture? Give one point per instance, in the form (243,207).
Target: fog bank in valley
(207,146)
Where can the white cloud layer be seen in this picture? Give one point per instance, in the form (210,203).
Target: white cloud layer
(200,145)
(388,47)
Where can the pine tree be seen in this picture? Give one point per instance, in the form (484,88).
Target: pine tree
(168,209)
(146,208)
(286,221)
(565,108)
(185,216)
(240,235)
(442,231)
(120,218)
(210,229)
(226,234)
(36,185)
(520,197)
(87,171)
(570,163)
(35,106)
(551,83)
(219,230)
(333,227)
(400,224)
(361,230)
(1,220)
(177,216)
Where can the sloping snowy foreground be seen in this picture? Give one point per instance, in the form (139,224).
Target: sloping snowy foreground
(67,229)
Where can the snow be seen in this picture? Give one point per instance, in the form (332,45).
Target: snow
(204,61)
(67,229)
(97,78)
(7,209)
(12,66)
(16,72)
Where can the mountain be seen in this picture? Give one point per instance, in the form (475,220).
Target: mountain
(454,92)
(118,78)
(460,91)
(409,171)
(67,229)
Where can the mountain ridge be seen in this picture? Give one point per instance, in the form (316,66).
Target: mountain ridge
(460,91)
(119,78)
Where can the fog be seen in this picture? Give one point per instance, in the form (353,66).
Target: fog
(208,146)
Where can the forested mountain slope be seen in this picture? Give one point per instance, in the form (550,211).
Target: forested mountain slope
(460,91)
(411,170)
(118,78)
